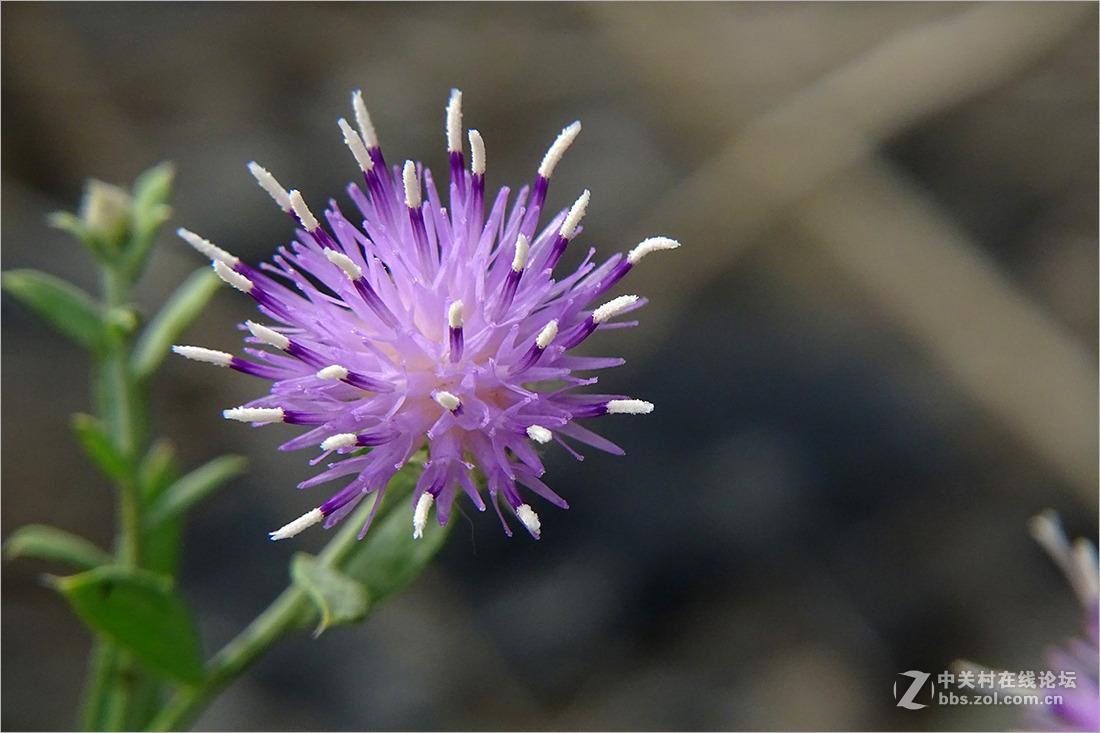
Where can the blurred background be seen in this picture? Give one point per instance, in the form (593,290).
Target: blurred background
(873,359)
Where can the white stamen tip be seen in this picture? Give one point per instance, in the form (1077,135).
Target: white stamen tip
(1077,562)
(420,514)
(569,226)
(333,372)
(341,440)
(210,356)
(362,119)
(652,244)
(477,153)
(454,122)
(530,520)
(522,249)
(309,221)
(549,331)
(268,183)
(412,185)
(268,336)
(254,414)
(629,407)
(446,400)
(306,520)
(454,315)
(557,150)
(341,260)
(539,434)
(231,276)
(206,247)
(355,144)
(613,307)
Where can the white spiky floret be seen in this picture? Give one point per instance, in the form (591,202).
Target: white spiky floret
(576,213)
(355,144)
(557,150)
(454,315)
(420,514)
(547,334)
(345,263)
(539,434)
(335,371)
(1077,560)
(308,519)
(268,336)
(231,276)
(340,440)
(477,153)
(309,221)
(268,183)
(629,407)
(523,248)
(254,414)
(412,185)
(209,356)
(454,122)
(206,247)
(530,520)
(446,400)
(653,244)
(613,307)
(362,119)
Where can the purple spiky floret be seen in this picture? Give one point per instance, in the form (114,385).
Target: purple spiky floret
(420,325)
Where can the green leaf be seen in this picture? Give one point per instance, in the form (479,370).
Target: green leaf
(141,612)
(61,304)
(148,213)
(40,542)
(388,558)
(77,228)
(97,445)
(189,490)
(159,469)
(178,313)
(340,599)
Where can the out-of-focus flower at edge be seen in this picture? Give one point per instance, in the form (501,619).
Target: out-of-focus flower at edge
(1080,707)
(429,326)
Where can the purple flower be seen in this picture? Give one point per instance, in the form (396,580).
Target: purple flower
(428,326)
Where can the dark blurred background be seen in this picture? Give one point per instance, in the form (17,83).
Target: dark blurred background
(873,359)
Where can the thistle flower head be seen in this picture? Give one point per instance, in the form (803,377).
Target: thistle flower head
(416,325)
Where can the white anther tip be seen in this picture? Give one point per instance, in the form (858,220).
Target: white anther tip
(523,248)
(254,414)
(446,400)
(454,315)
(206,247)
(231,276)
(362,119)
(530,520)
(477,153)
(629,407)
(412,185)
(340,440)
(576,213)
(420,514)
(549,331)
(210,356)
(333,372)
(653,244)
(268,336)
(454,122)
(268,183)
(355,144)
(613,307)
(341,260)
(539,434)
(557,150)
(309,221)
(308,519)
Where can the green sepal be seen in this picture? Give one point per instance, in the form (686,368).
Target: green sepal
(141,612)
(42,542)
(64,306)
(192,488)
(181,310)
(95,441)
(148,213)
(339,599)
(76,227)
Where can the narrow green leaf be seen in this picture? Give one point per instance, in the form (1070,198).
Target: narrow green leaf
(97,445)
(178,313)
(154,186)
(148,213)
(159,469)
(61,304)
(340,599)
(40,542)
(76,227)
(192,488)
(141,612)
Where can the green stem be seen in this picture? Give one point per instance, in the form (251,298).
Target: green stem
(286,613)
